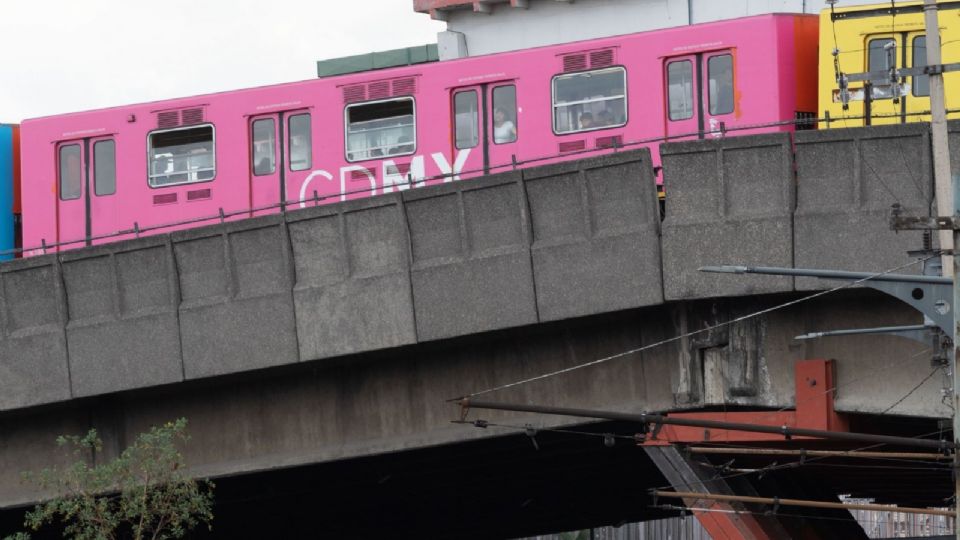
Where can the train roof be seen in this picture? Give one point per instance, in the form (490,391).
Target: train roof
(360,63)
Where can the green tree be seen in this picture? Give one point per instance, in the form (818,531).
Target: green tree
(143,494)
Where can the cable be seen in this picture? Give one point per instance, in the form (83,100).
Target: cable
(689,334)
(915,388)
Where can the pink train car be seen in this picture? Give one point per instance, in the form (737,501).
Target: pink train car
(93,177)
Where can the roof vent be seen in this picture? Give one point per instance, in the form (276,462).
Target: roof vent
(405,86)
(379,90)
(191,116)
(588,60)
(575,62)
(601,58)
(357,92)
(168,119)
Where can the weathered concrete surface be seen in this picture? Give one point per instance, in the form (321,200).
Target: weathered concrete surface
(729,201)
(596,228)
(847,182)
(396,400)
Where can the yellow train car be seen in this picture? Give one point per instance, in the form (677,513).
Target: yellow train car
(874,38)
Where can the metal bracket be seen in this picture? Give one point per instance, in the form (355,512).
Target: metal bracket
(922,223)
(920,332)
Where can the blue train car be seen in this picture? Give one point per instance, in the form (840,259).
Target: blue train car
(9,181)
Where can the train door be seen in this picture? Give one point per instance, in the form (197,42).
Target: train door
(281,156)
(86,185)
(882,52)
(486,126)
(700,94)
(918,96)
(504,126)
(684,97)
(719,92)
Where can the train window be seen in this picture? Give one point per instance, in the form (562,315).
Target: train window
(300,143)
(264,151)
(680,89)
(70,180)
(466,119)
(590,100)
(105,167)
(181,156)
(505,125)
(921,83)
(380,129)
(720,76)
(877,60)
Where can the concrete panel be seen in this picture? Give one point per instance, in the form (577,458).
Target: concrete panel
(34,368)
(847,182)
(596,227)
(471,261)
(352,292)
(729,201)
(236,312)
(123,331)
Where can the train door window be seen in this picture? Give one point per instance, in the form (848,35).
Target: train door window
(70,174)
(590,100)
(300,142)
(466,119)
(720,84)
(105,167)
(264,149)
(680,89)
(181,156)
(921,83)
(877,50)
(380,129)
(505,122)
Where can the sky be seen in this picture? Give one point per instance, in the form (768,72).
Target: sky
(60,56)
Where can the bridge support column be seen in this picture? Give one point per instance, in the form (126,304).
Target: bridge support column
(685,474)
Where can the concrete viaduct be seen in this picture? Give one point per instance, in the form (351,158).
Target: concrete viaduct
(320,346)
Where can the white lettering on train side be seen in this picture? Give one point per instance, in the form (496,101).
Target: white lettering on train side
(452,173)
(393,178)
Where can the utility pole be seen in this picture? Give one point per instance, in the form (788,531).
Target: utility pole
(941,148)
(941,171)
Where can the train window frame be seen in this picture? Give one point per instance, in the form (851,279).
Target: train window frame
(476,123)
(692,88)
(923,62)
(254,155)
(553,100)
(733,85)
(516,114)
(869,49)
(60,175)
(308,162)
(346,130)
(98,172)
(213,156)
